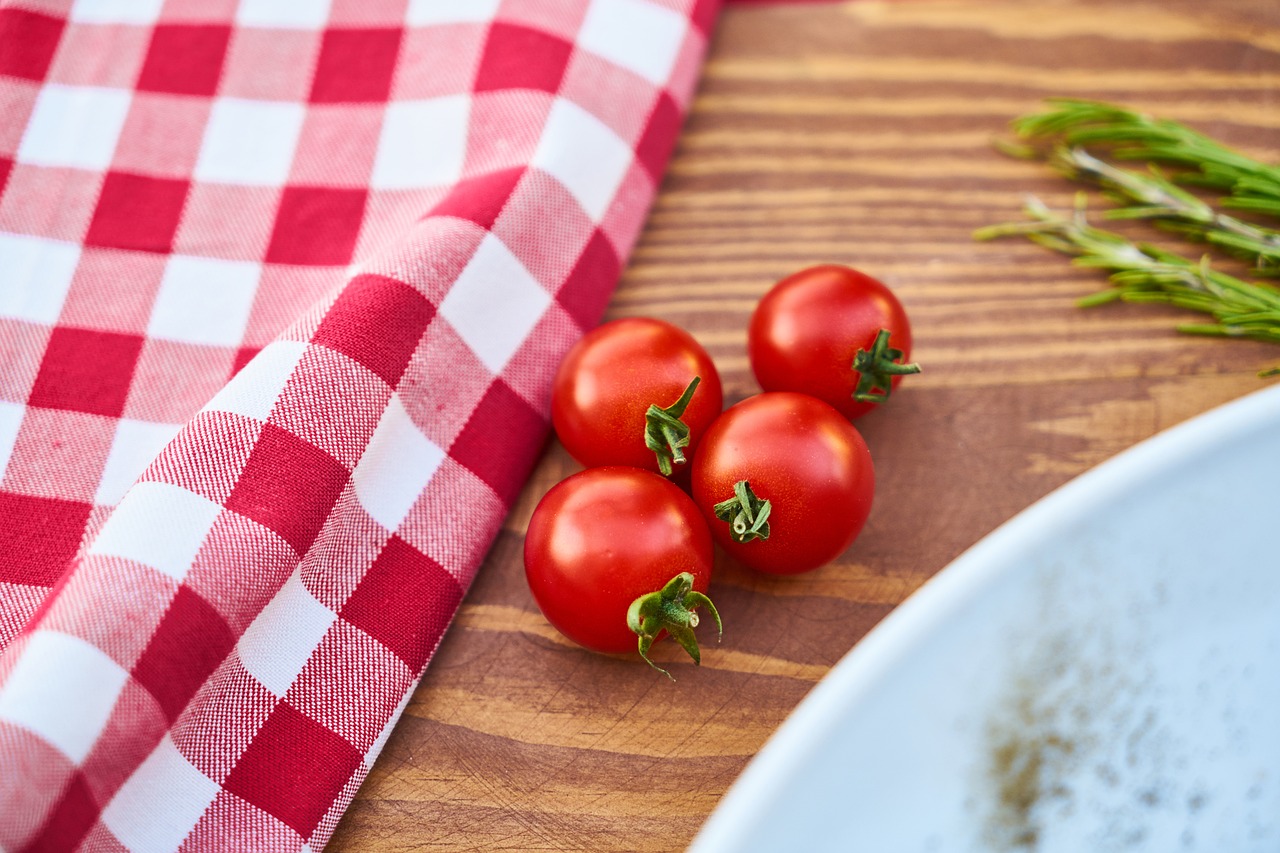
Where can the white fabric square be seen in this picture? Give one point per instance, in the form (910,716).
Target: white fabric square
(582,153)
(424,12)
(35,275)
(250,143)
(254,390)
(74,127)
(10,423)
(116,11)
(159,525)
(494,277)
(204,300)
(635,34)
(283,14)
(135,445)
(422,144)
(63,689)
(396,466)
(281,639)
(160,803)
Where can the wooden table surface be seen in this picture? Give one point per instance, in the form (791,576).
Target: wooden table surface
(855,133)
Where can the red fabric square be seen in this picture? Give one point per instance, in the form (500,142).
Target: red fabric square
(39,537)
(70,821)
(29,40)
(288,486)
(481,199)
(405,601)
(190,642)
(6,165)
(518,57)
(185,59)
(244,355)
(586,291)
(659,138)
(316,225)
(137,212)
(293,769)
(86,371)
(703,15)
(355,65)
(495,443)
(378,322)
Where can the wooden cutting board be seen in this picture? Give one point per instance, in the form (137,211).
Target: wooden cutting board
(854,133)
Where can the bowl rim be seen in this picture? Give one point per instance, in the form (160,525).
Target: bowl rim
(908,625)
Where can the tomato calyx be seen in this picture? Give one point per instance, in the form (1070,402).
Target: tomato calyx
(747,515)
(672,609)
(877,367)
(665,434)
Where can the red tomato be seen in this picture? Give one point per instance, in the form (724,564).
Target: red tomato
(801,456)
(807,332)
(602,538)
(616,375)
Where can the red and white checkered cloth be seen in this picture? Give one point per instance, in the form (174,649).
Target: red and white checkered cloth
(282,284)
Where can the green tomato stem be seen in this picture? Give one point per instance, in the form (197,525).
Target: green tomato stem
(665,434)
(877,367)
(747,515)
(671,609)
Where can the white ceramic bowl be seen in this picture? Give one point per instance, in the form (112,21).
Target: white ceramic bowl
(1101,673)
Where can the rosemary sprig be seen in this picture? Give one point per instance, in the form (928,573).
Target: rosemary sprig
(1145,273)
(1153,196)
(1250,184)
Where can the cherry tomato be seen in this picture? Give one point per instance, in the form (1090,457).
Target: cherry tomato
(819,332)
(800,456)
(610,391)
(604,537)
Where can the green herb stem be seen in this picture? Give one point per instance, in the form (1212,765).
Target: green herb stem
(1144,273)
(1131,135)
(1154,196)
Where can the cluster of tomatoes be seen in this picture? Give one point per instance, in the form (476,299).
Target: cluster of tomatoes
(621,552)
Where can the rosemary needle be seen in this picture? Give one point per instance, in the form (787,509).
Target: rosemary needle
(1144,273)
(1153,196)
(1131,135)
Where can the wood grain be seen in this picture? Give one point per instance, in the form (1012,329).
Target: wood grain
(860,134)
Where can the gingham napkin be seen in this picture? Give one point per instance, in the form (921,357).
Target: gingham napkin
(282,285)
